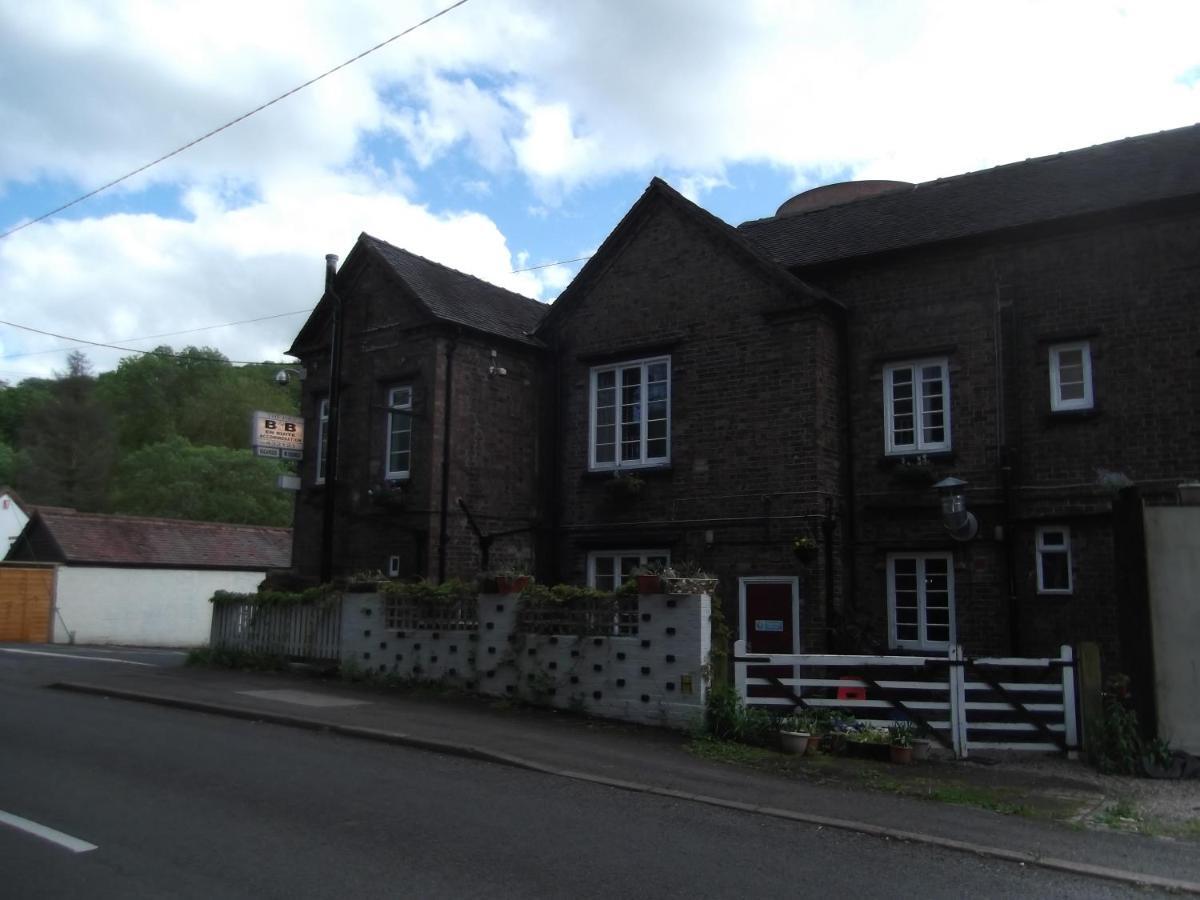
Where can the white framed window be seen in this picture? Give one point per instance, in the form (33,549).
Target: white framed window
(630,414)
(1054,559)
(920,591)
(1071,376)
(916,403)
(393,568)
(608,569)
(399,433)
(322,437)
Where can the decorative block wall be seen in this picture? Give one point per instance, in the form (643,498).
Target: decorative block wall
(655,677)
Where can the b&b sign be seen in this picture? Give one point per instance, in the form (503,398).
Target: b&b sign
(277,436)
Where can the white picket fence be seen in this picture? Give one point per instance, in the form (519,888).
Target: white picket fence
(302,632)
(991,703)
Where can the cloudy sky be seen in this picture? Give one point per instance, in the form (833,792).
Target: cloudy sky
(505,134)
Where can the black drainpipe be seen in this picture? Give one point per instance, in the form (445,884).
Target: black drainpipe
(331,434)
(444,523)
(850,529)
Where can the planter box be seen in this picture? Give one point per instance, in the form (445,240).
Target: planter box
(649,584)
(511,584)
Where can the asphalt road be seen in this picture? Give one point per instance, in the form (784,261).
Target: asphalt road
(181,804)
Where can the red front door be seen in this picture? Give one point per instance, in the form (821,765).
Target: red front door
(769,626)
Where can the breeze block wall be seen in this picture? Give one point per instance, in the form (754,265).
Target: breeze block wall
(656,677)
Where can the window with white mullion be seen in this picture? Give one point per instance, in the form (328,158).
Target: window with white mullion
(1054,559)
(1071,376)
(921,600)
(608,569)
(399,433)
(630,414)
(322,437)
(916,399)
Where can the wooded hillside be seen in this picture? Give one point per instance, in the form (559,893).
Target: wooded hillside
(165,434)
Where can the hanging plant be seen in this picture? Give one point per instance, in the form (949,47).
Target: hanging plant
(804,546)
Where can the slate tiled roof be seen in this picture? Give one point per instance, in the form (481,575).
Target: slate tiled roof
(454,296)
(83,538)
(1096,179)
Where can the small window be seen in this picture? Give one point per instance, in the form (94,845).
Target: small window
(393,568)
(607,570)
(920,589)
(630,414)
(916,401)
(1071,376)
(322,438)
(399,433)
(1054,559)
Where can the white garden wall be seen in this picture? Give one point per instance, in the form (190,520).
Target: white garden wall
(140,607)
(655,677)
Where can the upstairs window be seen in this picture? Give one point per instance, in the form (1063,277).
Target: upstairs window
(322,437)
(1071,376)
(630,415)
(920,590)
(916,401)
(399,432)
(1054,559)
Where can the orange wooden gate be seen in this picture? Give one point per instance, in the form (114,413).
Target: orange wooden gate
(25,600)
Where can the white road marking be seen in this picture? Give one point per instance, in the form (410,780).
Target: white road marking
(304,698)
(128,662)
(74,844)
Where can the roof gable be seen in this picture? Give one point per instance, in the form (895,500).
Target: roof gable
(1047,189)
(91,538)
(657,193)
(459,298)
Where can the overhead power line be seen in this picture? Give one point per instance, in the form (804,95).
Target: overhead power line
(231,122)
(162,353)
(561,262)
(149,337)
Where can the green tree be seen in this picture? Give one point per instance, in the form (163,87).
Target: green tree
(68,443)
(176,479)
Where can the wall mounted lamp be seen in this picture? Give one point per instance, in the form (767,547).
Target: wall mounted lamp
(961,524)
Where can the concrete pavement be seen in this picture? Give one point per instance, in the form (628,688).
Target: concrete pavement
(647,761)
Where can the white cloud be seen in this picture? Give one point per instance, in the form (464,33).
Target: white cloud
(131,275)
(558,97)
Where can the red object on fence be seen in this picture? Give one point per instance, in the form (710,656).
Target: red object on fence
(851,692)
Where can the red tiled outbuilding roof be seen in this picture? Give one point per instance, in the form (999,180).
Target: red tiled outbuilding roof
(64,535)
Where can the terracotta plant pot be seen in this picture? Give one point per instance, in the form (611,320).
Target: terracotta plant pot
(814,744)
(511,584)
(901,756)
(649,584)
(794,742)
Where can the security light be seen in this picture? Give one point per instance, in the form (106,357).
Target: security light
(962,525)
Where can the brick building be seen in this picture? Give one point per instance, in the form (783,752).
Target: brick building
(804,380)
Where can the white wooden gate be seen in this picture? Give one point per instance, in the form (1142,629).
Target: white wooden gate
(990,703)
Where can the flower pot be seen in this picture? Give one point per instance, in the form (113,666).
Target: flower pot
(511,584)
(901,756)
(920,748)
(649,584)
(814,744)
(794,742)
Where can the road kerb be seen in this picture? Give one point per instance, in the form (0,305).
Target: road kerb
(471,751)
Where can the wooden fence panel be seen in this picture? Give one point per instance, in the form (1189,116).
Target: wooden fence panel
(311,633)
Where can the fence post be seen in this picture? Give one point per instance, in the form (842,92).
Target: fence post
(1090,702)
(1070,727)
(958,701)
(739,669)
